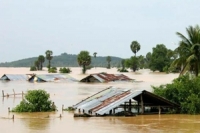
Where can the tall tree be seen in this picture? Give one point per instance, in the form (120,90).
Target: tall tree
(132,63)
(159,58)
(135,47)
(37,64)
(95,54)
(84,59)
(41,60)
(189,51)
(49,57)
(108,59)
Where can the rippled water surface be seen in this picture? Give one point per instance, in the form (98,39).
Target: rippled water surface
(67,94)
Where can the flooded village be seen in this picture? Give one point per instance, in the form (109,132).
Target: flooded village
(94,98)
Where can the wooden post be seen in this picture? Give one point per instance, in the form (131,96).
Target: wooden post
(14,92)
(3,93)
(130,105)
(159,109)
(13,117)
(138,108)
(22,94)
(142,104)
(62,107)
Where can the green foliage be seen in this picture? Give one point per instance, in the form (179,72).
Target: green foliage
(122,70)
(41,60)
(84,59)
(108,59)
(135,47)
(49,57)
(69,109)
(63,60)
(52,70)
(33,68)
(35,101)
(159,58)
(64,70)
(132,63)
(188,51)
(184,91)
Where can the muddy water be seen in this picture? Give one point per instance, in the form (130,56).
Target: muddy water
(68,94)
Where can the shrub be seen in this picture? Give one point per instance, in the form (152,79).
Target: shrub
(184,91)
(35,101)
(52,70)
(122,70)
(64,70)
(33,68)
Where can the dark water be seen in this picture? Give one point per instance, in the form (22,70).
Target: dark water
(68,94)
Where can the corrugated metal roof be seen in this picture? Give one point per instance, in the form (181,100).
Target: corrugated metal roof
(110,98)
(105,77)
(14,77)
(54,77)
(117,102)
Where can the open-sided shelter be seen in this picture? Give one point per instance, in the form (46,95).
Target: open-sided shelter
(115,101)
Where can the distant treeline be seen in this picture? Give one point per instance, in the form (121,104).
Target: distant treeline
(64,60)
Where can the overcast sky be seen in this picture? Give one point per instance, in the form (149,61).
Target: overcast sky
(30,27)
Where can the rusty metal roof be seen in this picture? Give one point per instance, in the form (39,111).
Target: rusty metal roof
(105,77)
(110,98)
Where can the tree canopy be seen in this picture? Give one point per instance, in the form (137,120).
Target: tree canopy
(135,47)
(35,101)
(159,58)
(49,57)
(189,51)
(84,59)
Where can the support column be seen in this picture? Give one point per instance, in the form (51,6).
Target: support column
(142,104)
(130,105)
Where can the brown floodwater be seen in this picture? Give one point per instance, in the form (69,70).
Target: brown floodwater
(68,94)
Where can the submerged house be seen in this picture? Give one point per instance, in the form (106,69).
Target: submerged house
(52,78)
(105,77)
(15,77)
(117,101)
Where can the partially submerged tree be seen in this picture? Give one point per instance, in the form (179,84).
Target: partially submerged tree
(95,54)
(41,60)
(184,91)
(49,57)
(35,101)
(84,59)
(132,63)
(159,58)
(108,59)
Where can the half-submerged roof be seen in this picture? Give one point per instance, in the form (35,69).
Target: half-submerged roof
(105,77)
(52,77)
(15,77)
(111,98)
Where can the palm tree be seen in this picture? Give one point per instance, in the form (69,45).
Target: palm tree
(49,57)
(84,59)
(189,51)
(135,47)
(95,54)
(41,60)
(108,59)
